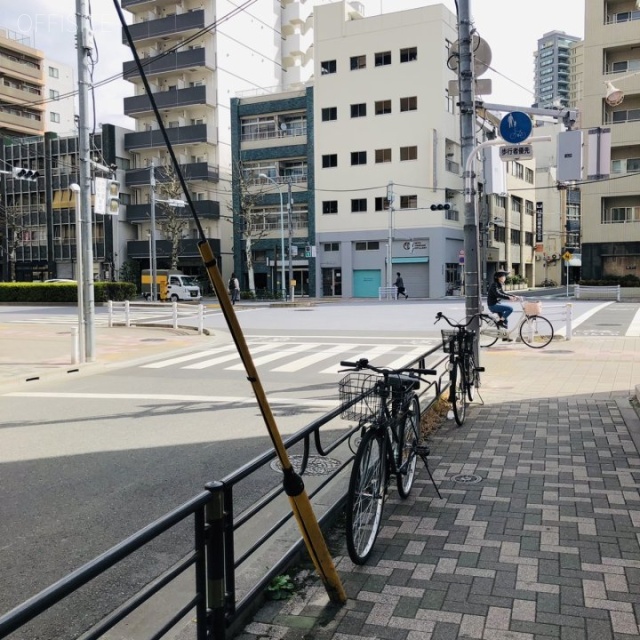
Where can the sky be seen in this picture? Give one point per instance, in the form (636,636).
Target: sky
(511,29)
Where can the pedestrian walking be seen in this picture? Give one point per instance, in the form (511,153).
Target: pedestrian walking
(234,288)
(400,286)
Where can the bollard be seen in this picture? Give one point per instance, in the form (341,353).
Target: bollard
(200,319)
(110,306)
(175,314)
(569,312)
(127,317)
(75,346)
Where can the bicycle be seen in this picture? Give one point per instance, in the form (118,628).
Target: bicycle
(548,283)
(385,404)
(533,329)
(464,375)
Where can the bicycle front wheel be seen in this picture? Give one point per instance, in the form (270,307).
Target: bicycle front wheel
(488,331)
(472,377)
(365,499)
(409,435)
(536,332)
(458,394)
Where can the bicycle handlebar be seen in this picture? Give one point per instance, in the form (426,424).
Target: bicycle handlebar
(457,325)
(363,363)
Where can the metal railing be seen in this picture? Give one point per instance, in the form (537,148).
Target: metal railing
(216,564)
(130,314)
(582,292)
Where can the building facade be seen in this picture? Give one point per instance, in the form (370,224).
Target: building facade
(552,75)
(59,85)
(611,208)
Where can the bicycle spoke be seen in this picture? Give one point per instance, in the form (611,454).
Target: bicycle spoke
(410,441)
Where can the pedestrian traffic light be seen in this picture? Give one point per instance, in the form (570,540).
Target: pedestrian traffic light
(440,207)
(25,174)
(113,197)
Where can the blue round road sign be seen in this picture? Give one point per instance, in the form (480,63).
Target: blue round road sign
(515,127)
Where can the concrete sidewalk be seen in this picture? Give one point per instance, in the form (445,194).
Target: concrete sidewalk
(537,534)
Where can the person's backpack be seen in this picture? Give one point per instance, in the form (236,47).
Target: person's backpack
(232,284)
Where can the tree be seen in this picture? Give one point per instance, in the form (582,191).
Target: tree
(12,227)
(172,220)
(250,220)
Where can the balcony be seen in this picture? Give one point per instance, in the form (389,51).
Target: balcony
(22,96)
(148,5)
(206,209)
(28,126)
(10,67)
(177,23)
(177,135)
(191,171)
(165,100)
(139,249)
(165,63)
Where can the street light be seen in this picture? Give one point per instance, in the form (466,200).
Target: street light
(79,272)
(284,288)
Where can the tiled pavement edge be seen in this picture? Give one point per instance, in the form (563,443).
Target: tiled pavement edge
(546,544)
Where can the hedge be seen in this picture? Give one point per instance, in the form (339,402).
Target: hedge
(64,291)
(624,281)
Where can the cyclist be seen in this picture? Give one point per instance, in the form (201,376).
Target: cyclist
(494,295)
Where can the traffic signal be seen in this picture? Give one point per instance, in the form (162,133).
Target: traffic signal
(439,207)
(19,173)
(113,197)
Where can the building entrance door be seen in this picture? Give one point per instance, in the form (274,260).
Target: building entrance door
(331,281)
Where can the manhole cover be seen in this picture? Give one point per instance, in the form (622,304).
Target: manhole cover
(152,340)
(467,478)
(316,465)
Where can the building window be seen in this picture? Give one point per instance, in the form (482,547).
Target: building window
(53,94)
(328,66)
(329,113)
(620,215)
(409,104)
(383,107)
(331,246)
(499,234)
(382,204)
(358,157)
(409,54)
(53,72)
(383,155)
(408,153)
(383,58)
(517,170)
(358,62)
(329,206)
(55,117)
(528,207)
(528,175)
(516,204)
(515,236)
(500,201)
(330,160)
(358,205)
(372,245)
(359,110)
(625,115)
(408,202)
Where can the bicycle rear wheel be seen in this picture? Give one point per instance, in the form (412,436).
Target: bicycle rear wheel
(488,331)
(536,332)
(458,394)
(409,435)
(472,377)
(365,499)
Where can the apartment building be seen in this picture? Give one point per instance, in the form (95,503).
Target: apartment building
(39,234)
(21,87)
(59,86)
(386,148)
(552,64)
(273,187)
(611,207)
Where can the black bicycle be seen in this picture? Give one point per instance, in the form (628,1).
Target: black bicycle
(385,404)
(464,374)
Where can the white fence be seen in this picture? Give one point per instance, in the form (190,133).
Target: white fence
(611,292)
(387,293)
(149,314)
(559,313)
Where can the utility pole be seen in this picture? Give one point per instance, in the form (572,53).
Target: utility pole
(290,221)
(390,197)
(84,46)
(152,254)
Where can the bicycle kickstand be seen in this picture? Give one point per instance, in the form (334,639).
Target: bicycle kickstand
(423,452)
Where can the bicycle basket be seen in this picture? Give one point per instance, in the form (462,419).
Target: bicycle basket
(449,341)
(532,308)
(353,386)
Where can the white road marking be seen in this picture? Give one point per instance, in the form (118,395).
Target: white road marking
(228,358)
(407,357)
(284,352)
(301,363)
(190,356)
(370,354)
(633,330)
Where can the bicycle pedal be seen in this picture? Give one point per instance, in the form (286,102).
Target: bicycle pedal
(479,369)
(423,450)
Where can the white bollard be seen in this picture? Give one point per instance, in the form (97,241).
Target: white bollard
(569,318)
(110,306)
(75,346)
(175,314)
(127,317)
(200,319)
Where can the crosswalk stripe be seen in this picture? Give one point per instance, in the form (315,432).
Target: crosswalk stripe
(407,357)
(301,363)
(633,330)
(370,354)
(288,350)
(229,357)
(191,356)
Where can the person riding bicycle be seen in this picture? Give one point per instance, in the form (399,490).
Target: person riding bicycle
(494,295)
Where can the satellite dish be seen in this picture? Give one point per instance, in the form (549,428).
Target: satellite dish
(480,52)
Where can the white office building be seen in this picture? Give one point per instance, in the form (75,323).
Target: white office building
(59,84)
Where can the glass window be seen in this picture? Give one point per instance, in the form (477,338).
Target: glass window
(382,204)
(53,72)
(329,113)
(55,117)
(383,107)
(359,110)
(330,160)
(331,246)
(328,66)
(53,94)
(409,104)
(409,54)
(409,202)
(383,58)
(358,157)
(408,153)
(358,62)
(358,205)
(383,155)
(329,206)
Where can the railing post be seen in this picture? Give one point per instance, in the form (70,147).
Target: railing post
(127,317)
(576,291)
(618,293)
(214,517)
(110,307)
(569,320)
(75,346)
(175,314)
(200,319)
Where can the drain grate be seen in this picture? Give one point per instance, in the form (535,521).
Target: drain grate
(316,465)
(467,478)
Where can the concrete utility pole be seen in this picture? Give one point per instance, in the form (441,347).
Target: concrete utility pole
(152,255)
(390,198)
(84,46)
(467,140)
(290,221)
